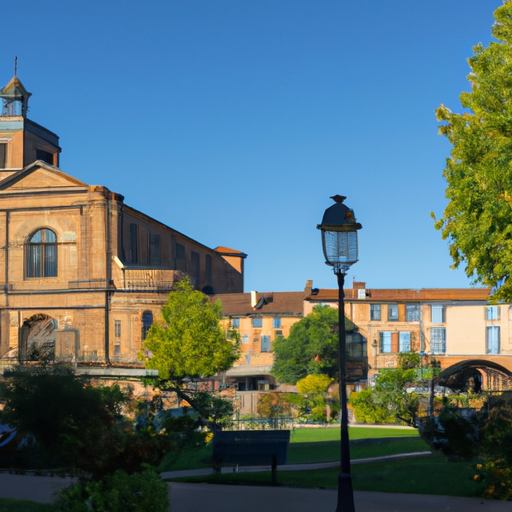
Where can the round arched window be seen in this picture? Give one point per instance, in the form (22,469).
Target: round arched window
(41,254)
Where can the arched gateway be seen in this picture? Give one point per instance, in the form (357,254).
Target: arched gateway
(36,336)
(476,375)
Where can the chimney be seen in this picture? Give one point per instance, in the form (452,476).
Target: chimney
(309,287)
(254,299)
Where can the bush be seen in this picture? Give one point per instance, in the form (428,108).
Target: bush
(367,411)
(120,492)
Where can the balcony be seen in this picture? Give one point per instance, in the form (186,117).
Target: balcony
(148,279)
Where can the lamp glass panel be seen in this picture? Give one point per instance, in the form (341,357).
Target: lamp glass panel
(340,247)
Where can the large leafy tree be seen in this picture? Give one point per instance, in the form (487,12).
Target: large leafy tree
(478,219)
(388,401)
(310,349)
(189,344)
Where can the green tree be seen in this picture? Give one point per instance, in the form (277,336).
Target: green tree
(313,389)
(189,344)
(72,421)
(190,341)
(477,221)
(388,401)
(273,405)
(311,348)
(314,385)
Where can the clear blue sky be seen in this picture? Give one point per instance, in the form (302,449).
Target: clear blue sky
(234,121)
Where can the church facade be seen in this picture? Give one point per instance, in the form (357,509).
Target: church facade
(81,271)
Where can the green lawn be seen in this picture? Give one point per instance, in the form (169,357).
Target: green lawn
(303,453)
(313,435)
(319,445)
(8,505)
(431,474)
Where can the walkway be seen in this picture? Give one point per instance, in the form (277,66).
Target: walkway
(219,498)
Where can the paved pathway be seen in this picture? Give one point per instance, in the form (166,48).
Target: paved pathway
(221,498)
(234,498)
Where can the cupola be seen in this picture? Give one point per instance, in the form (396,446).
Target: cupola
(14,99)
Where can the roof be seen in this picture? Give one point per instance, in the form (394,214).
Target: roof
(226,251)
(404,294)
(274,303)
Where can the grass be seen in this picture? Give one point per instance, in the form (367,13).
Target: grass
(431,474)
(191,459)
(9,505)
(315,435)
(318,445)
(303,453)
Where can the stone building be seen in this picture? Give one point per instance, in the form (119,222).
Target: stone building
(259,319)
(83,271)
(470,339)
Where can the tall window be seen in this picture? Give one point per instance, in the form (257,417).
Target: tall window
(437,314)
(493,340)
(385,341)
(118,328)
(492,313)
(438,340)
(181,260)
(265,343)
(134,246)
(147,321)
(208,262)
(235,323)
(393,312)
(412,312)
(41,254)
(195,263)
(3,155)
(404,342)
(277,322)
(375,312)
(154,249)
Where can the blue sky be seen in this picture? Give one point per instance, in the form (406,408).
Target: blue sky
(234,121)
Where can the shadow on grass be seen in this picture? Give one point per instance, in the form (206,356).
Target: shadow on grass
(422,475)
(8,505)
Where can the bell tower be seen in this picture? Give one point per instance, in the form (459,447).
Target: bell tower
(22,141)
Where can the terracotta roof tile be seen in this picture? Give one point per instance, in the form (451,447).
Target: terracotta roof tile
(277,303)
(405,294)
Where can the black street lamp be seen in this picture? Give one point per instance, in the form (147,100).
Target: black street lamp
(339,241)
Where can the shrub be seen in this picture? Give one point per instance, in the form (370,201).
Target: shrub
(120,492)
(497,477)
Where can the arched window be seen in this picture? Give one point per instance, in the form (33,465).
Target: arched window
(41,254)
(147,321)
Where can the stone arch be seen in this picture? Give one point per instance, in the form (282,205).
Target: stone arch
(476,374)
(36,334)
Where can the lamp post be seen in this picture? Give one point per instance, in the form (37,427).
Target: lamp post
(339,242)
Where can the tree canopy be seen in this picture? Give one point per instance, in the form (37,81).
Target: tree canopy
(388,401)
(477,221)
(189,344)
(311,348)
(190,341)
